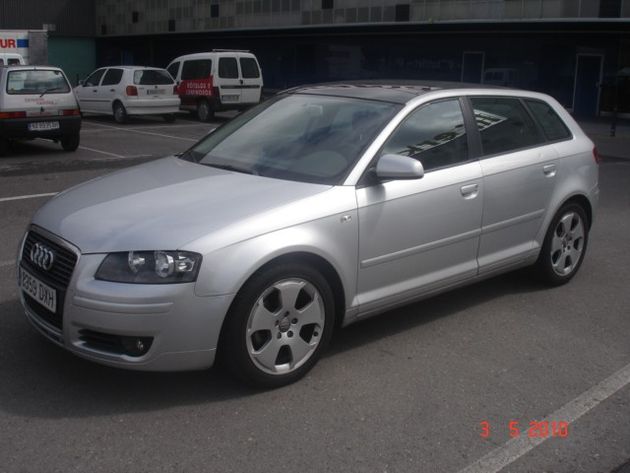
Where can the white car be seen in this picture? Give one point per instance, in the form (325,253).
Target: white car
(122,91)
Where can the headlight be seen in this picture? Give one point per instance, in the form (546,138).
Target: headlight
(150,267)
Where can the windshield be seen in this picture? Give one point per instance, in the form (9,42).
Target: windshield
(296,137)
(26,82)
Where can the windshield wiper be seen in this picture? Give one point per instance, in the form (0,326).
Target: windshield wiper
(230,167)
(50,90)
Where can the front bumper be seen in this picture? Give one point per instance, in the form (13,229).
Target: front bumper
(183,328)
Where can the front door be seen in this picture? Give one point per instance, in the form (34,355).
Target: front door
(421,234)
(588,76)
(88,92)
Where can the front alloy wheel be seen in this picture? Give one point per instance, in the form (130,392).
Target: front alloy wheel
(278,325)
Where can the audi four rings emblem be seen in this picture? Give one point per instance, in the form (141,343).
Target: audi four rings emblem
(42,256)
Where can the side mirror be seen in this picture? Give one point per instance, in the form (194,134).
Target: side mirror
(396,167)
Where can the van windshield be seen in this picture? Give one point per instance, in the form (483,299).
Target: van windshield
(31,82)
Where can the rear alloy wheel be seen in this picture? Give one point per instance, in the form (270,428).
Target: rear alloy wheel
(70,142)
(564,246)
(204,111)
(278,326)
(120,114)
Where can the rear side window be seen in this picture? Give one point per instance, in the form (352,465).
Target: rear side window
(228,69)
(27,82)
(504,125)
(152,77)
(249,68)
(173,69)
(112,77)
(435,135)
(552,125)
(197,69)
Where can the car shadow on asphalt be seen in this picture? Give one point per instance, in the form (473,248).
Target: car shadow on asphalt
(43,380)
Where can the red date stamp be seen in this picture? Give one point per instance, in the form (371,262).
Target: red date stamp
(535,429)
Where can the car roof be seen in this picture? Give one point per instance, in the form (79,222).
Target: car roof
(396,91)
(29,67)
(210,54)
(132,67)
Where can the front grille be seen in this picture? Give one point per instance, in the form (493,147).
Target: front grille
(58,276)
(65,260)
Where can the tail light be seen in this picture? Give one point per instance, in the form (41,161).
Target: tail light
(596,156)
(8,115)
(131,91)
(71,112)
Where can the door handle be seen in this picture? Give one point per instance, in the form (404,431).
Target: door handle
(469,191)
(549,170)
(112,90)
(94,90)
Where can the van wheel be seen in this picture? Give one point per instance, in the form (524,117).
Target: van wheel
(564,247)
(70,142)
(204,111)
(169,117)
(278,326)
(120,114)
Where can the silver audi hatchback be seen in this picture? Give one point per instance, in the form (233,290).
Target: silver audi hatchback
(318,208)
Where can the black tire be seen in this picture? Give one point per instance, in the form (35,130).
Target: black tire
(169,117)
(552,259)
(120,113)
(234,352)
(205,112)
(70,142)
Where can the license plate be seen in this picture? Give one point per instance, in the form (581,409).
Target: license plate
(39,126)
(40,292)
(155,92)
(229,98)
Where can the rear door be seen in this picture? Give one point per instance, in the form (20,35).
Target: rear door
(195,81)
(251,79)
(228,80)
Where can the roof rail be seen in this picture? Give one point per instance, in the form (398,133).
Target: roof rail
(230,50)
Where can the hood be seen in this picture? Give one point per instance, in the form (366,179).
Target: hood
(163,204)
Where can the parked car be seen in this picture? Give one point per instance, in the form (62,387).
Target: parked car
(219,80)
(37,102)
(320,207)
(123,91)
(11,59)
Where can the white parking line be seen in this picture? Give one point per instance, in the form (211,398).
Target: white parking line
(512,450)
(30,196)
(131,130)
(102,152)
(4,264)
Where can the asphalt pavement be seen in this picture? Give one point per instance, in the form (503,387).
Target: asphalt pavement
(412,390)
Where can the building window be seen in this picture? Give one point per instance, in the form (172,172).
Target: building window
(327,4)
(610,8)
(214,11)
(135,16)
(402,12)
(171,25)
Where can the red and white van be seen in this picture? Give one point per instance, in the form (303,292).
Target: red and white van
(218,80)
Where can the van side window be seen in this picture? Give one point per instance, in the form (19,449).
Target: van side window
(552,125)
(249,68)
(112,77)
(504,125)
(197,69)
(94,78)
(434,134)
(13,61)
(173,69)
(228,69)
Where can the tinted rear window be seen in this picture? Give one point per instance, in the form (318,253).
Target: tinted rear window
(504,125)
(228,69)
(249,68)
(552,125)
(152,77)
(27,82)
(197,69)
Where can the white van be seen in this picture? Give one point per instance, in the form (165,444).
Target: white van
(219,80)
(37,102)
(11,59)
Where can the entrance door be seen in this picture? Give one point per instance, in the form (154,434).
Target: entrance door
(588,75)
(472,67)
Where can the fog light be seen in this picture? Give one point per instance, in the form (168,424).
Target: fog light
(136,346)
